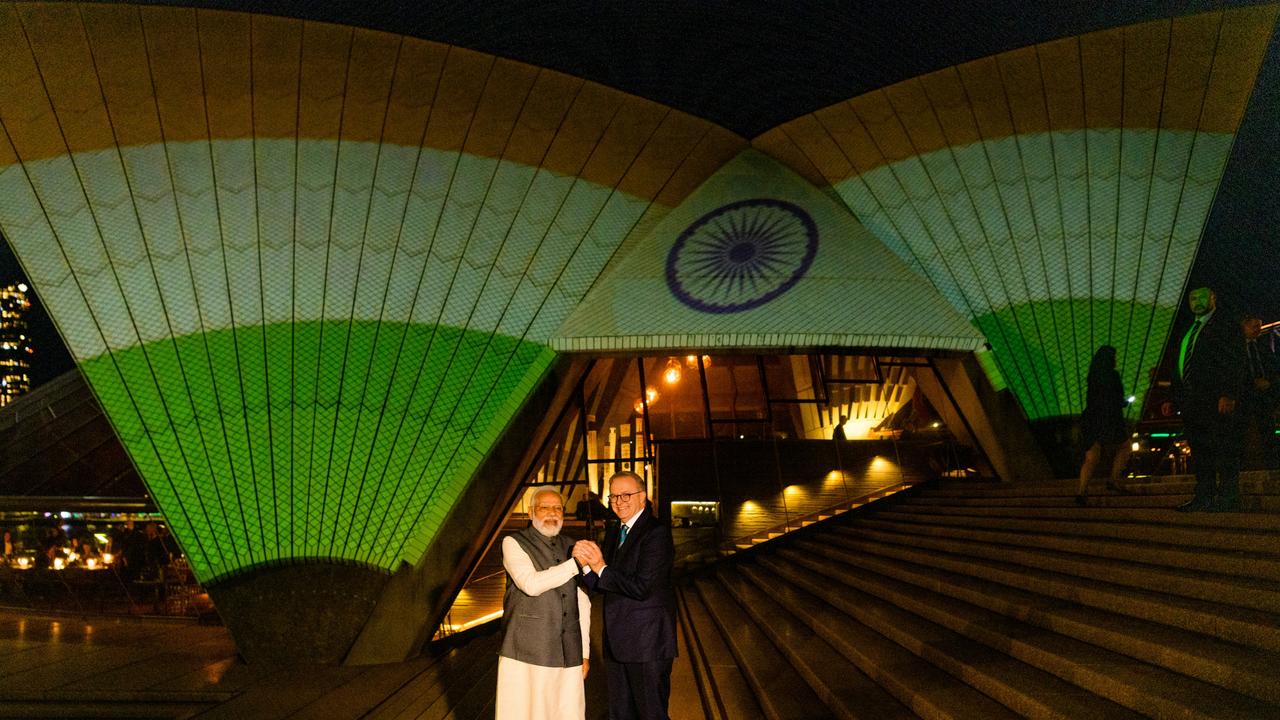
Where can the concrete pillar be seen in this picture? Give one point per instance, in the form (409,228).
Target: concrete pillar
(995,419)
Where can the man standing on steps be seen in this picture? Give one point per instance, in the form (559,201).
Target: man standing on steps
(1262,391)
(546,619)
(634,575)
(1208,379)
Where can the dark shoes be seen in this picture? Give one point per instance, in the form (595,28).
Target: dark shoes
(1195,505)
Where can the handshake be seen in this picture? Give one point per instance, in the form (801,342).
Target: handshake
(588,554)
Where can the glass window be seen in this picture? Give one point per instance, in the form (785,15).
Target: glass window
(676,406)
(735,389)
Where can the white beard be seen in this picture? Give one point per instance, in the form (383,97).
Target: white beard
(550,528)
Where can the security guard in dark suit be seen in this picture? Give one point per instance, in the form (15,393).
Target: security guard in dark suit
(1207,384)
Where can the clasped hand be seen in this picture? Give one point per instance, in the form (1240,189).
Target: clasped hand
(588,553)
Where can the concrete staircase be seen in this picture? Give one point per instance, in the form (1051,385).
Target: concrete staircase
(984,600)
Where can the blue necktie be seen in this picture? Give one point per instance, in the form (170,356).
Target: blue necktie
(622,535)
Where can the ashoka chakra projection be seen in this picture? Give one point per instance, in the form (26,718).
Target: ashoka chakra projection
(742,255)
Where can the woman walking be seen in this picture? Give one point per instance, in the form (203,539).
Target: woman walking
(1102,423)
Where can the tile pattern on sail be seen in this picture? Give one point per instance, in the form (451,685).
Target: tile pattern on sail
(1054,194)
(309,271)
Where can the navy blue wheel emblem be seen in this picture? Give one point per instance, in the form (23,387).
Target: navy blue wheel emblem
(742,255)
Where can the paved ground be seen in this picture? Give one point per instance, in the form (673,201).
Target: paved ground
(76,667)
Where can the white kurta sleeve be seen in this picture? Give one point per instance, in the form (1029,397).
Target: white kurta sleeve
(528,578)
(584,621)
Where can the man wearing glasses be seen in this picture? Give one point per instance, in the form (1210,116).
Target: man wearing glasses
(546,620)
(633,572)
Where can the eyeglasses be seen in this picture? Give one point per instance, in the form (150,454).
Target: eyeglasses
(549,509)
(623,497)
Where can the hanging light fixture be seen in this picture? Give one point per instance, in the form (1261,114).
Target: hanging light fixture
(672,374)
(691,361)
(651,395)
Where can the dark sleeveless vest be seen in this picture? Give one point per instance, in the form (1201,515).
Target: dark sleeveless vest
(542,630)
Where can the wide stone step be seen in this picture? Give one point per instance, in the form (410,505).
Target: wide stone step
(1206,538)
(1255,482)
(847,692)
(726,695)
(1136,685)
(1260,566)
(1239,625)
(916,683)
(1155,517)
(1239,668)
(1255,594)
(429,692)
(1249,503)
(778,687)
(1017,686)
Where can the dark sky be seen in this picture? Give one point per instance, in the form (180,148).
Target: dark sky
(1240,254)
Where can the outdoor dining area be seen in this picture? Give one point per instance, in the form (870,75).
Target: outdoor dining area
(110,564)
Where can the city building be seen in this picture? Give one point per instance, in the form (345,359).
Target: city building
(16,350)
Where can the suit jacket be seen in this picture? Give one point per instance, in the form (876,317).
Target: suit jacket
(1258,401)
(1215,369)
(639,603)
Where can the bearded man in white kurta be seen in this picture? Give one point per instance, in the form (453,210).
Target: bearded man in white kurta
(546,620)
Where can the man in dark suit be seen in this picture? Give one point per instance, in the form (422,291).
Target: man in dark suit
(1208,380)
(1261,393)
(633,573)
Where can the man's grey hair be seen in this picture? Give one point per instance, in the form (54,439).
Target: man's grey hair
(539,490)
(628,474)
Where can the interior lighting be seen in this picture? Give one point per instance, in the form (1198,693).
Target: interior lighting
(691,361)
(58,564)
(22,287)
(24,562)
(672,374)
(651,395)
(1136,446)
(859,428)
